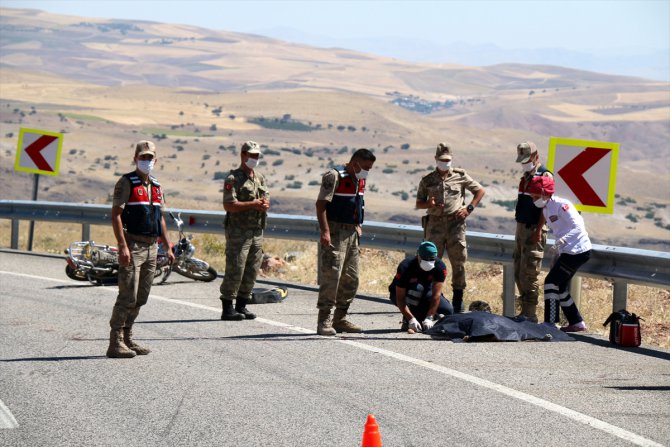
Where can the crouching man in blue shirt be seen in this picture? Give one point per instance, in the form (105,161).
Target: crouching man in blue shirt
(417,289)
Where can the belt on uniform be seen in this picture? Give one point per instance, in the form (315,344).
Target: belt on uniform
(342,225)
(451,216)
(245,231)
(141,238)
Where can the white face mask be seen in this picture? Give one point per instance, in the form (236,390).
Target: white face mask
(443,165)
(426,266)
(540,203)
(527,167)
(362,174)
(145,166)
(251,163)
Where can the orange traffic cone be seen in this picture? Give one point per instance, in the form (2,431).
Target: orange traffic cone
(371,436)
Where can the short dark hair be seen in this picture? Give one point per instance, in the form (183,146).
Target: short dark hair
(364,154)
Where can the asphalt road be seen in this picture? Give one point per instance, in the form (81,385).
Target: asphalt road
(274,382)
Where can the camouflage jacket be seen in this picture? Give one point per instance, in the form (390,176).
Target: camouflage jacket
(448,190)
(239,187)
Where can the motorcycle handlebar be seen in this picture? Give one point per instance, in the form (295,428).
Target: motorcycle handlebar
(177,220)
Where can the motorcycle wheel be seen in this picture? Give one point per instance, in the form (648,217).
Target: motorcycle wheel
(199,275)
(77,275)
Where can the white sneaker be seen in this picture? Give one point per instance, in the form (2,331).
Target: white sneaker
(577,327)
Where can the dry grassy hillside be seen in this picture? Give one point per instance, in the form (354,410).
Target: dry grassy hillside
(200,93)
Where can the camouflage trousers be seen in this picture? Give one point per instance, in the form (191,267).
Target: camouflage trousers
(444,231)
(244,255)
(338,268)
(528,262)
(135,282)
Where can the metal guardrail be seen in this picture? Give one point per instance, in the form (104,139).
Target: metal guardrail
(620,265)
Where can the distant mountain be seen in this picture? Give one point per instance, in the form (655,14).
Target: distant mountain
(636,62)
(113,52)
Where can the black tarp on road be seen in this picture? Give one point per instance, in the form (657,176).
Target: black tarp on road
(484,326)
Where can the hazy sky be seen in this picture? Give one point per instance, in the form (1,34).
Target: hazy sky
(599,28)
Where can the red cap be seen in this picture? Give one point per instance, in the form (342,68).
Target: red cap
(541,185)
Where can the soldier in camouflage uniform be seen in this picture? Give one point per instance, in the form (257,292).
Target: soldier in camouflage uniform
(137,221)
(246,201)
(339,210)
(531,233)
(442,194)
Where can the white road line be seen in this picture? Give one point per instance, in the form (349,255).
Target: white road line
(545,404)
(6,417)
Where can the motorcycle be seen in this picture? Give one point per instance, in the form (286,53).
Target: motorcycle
(185,263)
(88,261)
(99,264)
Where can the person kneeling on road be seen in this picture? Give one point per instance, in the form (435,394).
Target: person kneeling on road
(417,289)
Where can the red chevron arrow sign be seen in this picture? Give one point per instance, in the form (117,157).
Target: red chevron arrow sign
(585,172)
(38,151)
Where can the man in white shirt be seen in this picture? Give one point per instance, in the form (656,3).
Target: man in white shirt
(573,247)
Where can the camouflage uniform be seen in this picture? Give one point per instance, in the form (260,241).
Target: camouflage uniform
(141,206)
(527,253)
(441,226)
(244,235)
(338,266)
(340,209)
(135,279)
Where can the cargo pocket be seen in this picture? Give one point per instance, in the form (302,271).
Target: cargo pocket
(534,262)
(331,256)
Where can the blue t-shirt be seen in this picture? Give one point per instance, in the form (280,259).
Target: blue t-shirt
(412,277)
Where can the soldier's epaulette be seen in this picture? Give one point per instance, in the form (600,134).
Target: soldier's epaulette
(430,174)
(459,171)
(231,178)
(238,174)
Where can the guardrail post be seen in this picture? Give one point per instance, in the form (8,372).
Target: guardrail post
(85,232)
(509,296)
(620,292)
(576,289)
(15,234)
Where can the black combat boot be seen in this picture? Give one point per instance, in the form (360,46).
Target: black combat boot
(457,301)
(229,312)
(241,307)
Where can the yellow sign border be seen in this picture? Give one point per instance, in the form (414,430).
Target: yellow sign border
(614,147)
(19,151)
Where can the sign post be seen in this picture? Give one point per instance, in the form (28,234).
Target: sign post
(38,152)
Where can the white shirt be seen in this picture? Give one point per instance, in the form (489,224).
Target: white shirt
(567,224)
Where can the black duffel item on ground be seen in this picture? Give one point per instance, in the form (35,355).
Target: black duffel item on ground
(266,296)
(485,326)
(624,329)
